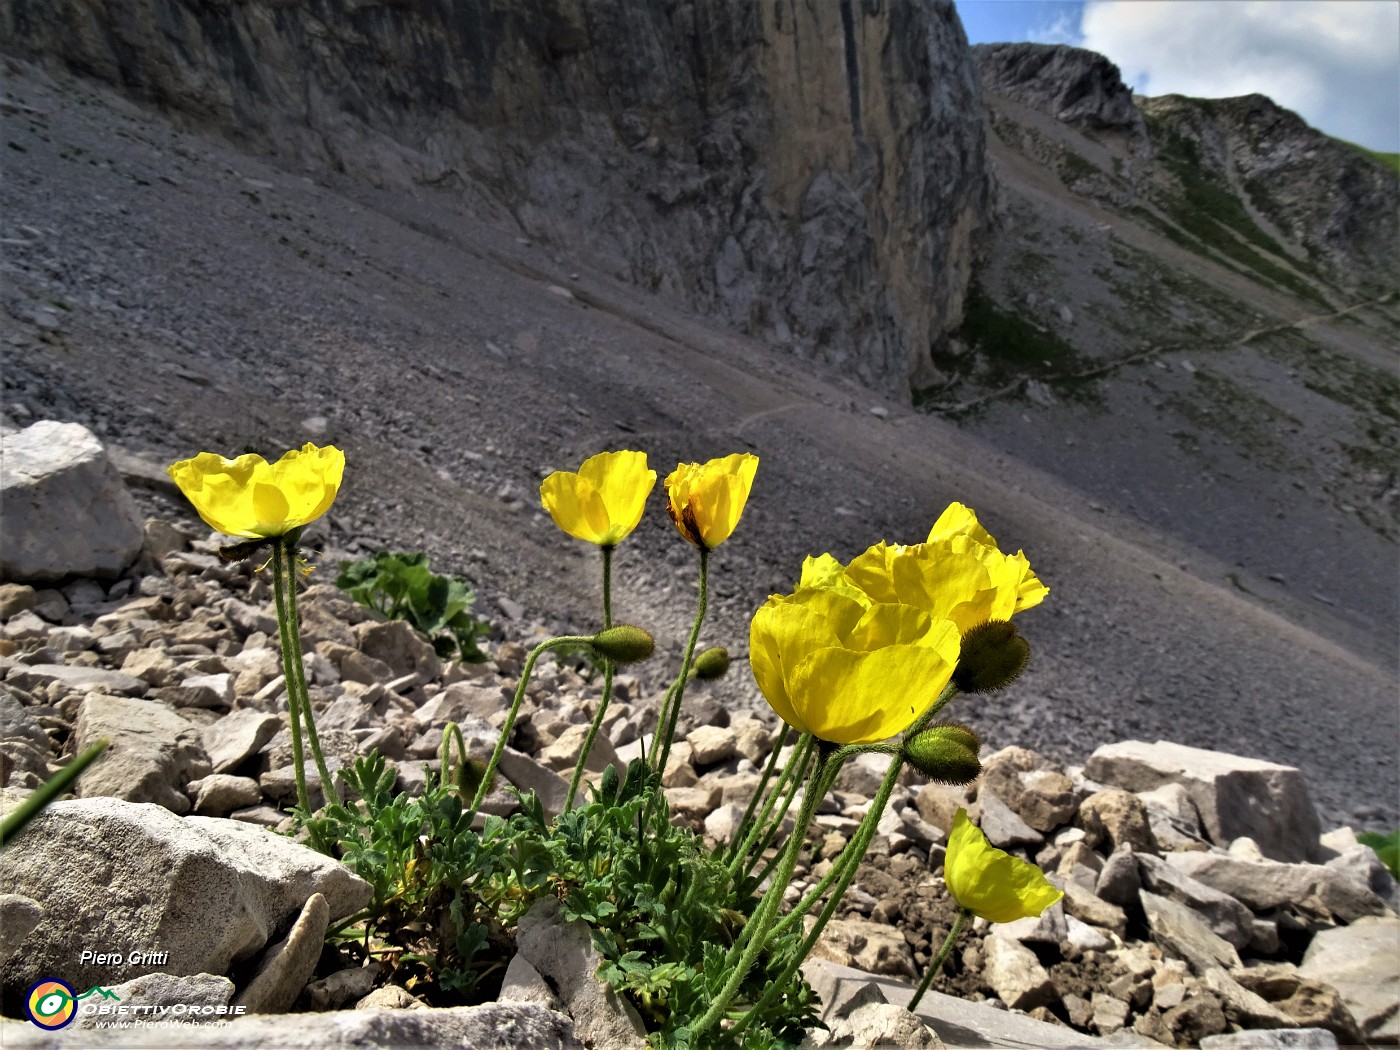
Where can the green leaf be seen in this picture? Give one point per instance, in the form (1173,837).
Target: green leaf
(1387,847)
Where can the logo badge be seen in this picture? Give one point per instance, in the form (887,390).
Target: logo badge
(52,1004)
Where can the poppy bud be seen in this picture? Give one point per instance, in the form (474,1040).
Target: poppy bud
(624,644)
(945,753)
(993,655)
(712,664)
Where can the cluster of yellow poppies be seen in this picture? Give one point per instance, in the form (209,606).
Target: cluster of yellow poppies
(855,655)
(602,502)
(858,652)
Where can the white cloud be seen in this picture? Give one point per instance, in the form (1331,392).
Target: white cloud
(1334,62)
(1063,29)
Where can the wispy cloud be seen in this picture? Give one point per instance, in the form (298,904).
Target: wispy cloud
(1062,29)
(1335,62)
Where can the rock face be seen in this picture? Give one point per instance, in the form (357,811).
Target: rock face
(1068,83)
(813,173)
(1325,196)
(67,512)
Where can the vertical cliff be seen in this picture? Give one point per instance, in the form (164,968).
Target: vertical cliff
(813,173)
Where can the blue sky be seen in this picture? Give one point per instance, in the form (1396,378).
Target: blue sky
(1335,62)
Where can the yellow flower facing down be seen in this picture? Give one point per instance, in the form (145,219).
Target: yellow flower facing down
(252,498)
(705,500)
(990,882)
(846,671)
(603,502)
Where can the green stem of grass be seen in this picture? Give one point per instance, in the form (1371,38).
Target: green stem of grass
(56,785)
(286,626)
(770,820)
(732,849)
(667,730)
(288,544)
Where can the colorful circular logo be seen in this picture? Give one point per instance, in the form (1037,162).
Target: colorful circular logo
(52,1004)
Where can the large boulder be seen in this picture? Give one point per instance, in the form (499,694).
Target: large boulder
(186,896)
(67,512)
(1235,796)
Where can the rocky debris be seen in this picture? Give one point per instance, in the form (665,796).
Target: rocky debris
(874,947)
(1362,962)
(1015,974)
(18,916)
(67,512)
(1135,950)
(1115,818)
(152,753)
(1293,1039)
(1068,83)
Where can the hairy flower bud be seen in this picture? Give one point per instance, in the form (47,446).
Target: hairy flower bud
(712,663)
(945,753)
(993,656)
(624,644)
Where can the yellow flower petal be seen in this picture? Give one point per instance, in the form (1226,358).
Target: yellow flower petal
(851,697)
(251,498)
(706,500)
(603,502)
(990,882)
(829,665)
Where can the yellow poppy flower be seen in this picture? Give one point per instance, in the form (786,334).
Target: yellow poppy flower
(603,502)
(252,498)
(1010,572)
(846,671)
(705,500)
(957,574)
(990,882)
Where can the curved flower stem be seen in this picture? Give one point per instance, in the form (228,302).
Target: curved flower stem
(526,671)
(856,850)
(755,936)
(941,958)
(732,849)
(770,820)
(287,545)
(668,730)
(608,670)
